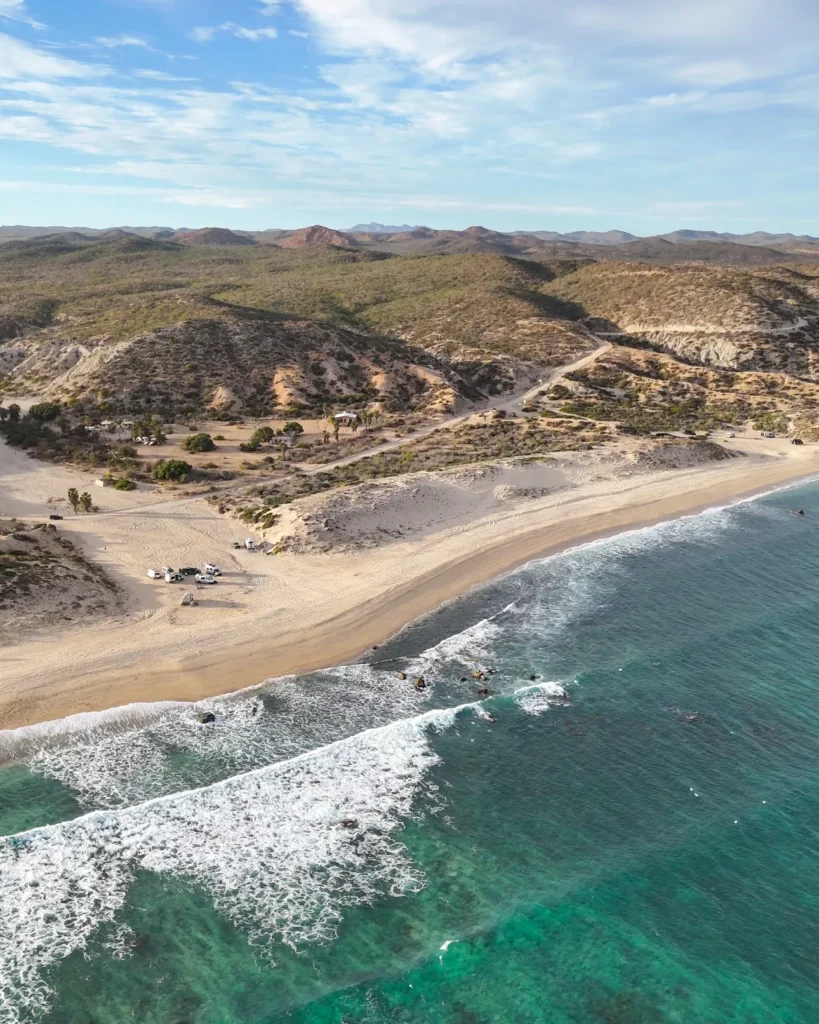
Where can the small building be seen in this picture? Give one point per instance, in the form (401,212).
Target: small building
(346,417)
(104,482)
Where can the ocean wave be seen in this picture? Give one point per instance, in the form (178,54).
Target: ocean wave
(324,822)
(537,698)
(17,744)
(117,759)
(123,761)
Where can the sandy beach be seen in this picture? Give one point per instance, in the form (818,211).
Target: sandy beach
(295,612)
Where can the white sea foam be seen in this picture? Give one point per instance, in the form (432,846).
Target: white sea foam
(539,697)
(19,743)
(282,850)
(126,766)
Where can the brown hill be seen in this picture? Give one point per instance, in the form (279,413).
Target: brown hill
(766,318)
(662,251)
(315,235)
(266,364)
(214,236)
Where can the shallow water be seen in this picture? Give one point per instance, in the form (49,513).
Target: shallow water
(631,837)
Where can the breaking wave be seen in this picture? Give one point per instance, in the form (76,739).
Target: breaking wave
(282,851)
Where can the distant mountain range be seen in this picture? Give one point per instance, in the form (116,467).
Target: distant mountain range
(683,246)
(379,229)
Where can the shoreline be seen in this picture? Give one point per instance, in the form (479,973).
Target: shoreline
(342,638)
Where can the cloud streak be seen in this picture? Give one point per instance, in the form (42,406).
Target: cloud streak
(206,33)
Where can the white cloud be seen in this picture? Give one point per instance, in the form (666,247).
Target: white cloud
(253,34)
(205,33)
(299,35)
(715,72)
(161,76)
(115,42)
(187,197)
(19,60)
(15,10)
(723,40)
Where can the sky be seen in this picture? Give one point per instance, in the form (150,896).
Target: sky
(515,114)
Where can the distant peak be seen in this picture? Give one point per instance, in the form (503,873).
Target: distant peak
(214,236)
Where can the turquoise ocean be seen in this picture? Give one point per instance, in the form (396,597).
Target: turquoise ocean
(631,837)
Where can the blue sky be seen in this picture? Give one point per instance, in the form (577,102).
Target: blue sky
(637,114)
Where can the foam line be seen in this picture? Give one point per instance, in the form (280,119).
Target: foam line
(19,743)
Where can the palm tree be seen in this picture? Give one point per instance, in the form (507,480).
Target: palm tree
(86,503)
(74,498)
(334,426)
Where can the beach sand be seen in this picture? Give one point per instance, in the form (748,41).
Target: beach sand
(273,616)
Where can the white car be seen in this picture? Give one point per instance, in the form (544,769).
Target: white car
(173,577)
(212,570)
(202,577)
(731,433)
(155,574)
(166,569)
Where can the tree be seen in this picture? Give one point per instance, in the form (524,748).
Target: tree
(262,435)
(354,426)
(149,426)
(199,443)
(334,426)
(86,503)
(172,469)
(4,414)
(293,428)
(326,435)
(14,412)
(123,457)
(74,498)
(45,411)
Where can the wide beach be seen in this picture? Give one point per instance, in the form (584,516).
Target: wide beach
(274,616)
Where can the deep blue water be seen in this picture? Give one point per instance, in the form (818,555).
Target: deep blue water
(631,837)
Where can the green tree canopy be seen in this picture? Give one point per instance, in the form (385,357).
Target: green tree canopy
(172,469)
(199,443)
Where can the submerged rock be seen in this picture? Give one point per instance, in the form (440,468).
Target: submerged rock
(207,717)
